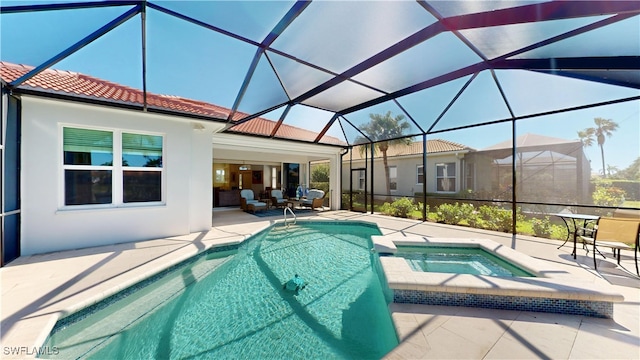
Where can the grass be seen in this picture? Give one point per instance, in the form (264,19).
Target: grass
(631,204)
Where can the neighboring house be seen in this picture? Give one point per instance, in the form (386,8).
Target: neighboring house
(547,169)
(446,172)
(559,165)
(84,166)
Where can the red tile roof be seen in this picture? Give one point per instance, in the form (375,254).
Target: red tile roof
(84,86)
(415,148)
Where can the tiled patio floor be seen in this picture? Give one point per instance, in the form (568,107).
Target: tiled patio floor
(37,289)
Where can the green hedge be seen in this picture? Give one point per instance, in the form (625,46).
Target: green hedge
(324,186)
(631,188)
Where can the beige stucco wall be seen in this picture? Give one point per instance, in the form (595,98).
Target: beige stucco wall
(407,183)
(48,225)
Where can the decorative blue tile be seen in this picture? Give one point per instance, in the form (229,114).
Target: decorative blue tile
(558,306)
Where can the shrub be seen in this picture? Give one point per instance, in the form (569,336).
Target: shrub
(448,214)
(541,227)
(386,209)
(607,195)
(400,208)
(495,218)
(454,214)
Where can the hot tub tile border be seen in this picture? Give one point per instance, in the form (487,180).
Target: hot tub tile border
(602,309)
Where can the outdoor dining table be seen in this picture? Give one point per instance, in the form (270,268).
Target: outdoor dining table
(575,219)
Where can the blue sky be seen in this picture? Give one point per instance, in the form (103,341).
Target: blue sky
(187,60)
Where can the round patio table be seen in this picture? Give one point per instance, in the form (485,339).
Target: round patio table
(575,219)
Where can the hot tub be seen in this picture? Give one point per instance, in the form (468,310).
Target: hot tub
(459,260)
(550,290)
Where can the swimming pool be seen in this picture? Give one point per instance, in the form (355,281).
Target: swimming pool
(458,260)
(232,304)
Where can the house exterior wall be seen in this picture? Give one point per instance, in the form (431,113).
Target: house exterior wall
(407,176)
(48,225)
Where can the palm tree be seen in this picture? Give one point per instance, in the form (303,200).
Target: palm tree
(612,170)
(385,130)
(586,136)
(604,128)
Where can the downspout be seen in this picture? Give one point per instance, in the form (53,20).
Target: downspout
(342,154)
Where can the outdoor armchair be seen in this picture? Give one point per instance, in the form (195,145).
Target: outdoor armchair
(277,200)
(314,199)
(617,234)
(249,203)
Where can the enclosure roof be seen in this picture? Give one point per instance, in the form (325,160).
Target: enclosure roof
(268,67)
(537,145)
(531,140)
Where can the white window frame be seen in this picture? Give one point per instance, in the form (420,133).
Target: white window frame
(117,170)
(393,179)
(418,167)
(454,177)
(361,179)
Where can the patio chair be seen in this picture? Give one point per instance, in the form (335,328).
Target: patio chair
(626,213)
(615,233)
(249,203)
(277,200)
(314,199)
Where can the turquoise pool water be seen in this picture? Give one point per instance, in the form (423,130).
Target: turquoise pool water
(231,305)
(458,260)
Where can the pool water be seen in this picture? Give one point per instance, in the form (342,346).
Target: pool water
(233,306)
(458,260)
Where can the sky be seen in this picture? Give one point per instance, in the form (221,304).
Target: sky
(187,60)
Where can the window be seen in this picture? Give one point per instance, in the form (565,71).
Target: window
(142,168)
(220,175)
(420,175)
(361,179)
(393,177)
(92,159)
(446,177)
(274,177)
(470,176)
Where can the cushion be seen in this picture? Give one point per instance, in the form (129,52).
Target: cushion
(315,194)
(247,194)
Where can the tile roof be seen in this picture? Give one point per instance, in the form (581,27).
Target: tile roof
(415,148)
(84,86)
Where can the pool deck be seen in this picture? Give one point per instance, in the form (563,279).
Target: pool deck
(39,289)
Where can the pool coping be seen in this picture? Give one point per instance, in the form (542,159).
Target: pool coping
(551,283)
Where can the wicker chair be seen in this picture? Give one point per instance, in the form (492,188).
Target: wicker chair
(277,200)
(249,203)
(314,199)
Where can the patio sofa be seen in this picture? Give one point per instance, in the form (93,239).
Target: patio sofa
(314,199)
